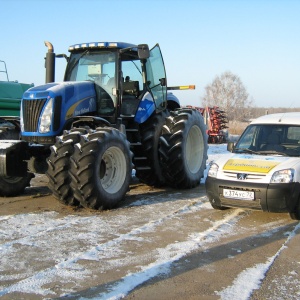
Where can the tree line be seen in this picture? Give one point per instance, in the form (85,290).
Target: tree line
(256,112)
(229,93)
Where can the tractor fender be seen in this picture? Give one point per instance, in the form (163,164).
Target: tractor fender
(147,106)
(145,109)
(173,101)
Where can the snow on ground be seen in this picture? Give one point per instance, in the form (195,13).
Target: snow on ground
(214,152)
(26,231)
(251,278)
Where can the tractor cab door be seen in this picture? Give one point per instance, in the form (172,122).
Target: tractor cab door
(156,78)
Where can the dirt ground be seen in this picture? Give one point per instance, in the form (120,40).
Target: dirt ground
(158,244)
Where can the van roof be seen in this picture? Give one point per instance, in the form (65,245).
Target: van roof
(279,118)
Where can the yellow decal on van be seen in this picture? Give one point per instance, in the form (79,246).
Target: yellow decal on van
(247,165)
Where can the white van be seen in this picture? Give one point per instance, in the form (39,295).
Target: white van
(263,169)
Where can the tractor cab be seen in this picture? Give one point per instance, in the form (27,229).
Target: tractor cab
(126,76)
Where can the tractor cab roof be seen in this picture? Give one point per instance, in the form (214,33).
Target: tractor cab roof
(101,45)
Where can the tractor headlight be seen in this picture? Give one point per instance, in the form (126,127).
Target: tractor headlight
(213,170)
(283,176)
(46,117)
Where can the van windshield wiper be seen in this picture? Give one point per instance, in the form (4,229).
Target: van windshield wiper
(245,150)
(266,152)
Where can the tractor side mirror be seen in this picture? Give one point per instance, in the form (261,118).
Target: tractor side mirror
(143,51)
(63,55)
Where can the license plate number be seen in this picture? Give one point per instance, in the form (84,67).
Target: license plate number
(243,195)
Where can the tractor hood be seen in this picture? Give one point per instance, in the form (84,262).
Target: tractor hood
(72,91)
(46,108)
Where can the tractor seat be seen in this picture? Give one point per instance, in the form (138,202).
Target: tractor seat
(130,99)
(131,88)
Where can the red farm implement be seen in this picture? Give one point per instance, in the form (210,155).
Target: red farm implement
(216,121)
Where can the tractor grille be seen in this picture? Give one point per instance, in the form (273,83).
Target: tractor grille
(31,113)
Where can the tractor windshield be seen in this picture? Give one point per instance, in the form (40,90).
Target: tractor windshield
(99,67)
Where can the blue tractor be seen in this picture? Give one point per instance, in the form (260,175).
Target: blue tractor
(112,113)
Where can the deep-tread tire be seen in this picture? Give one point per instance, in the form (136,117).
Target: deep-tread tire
(150,132)
(295,215)
(12,185)
(59,165)
(101,168)
(184,148)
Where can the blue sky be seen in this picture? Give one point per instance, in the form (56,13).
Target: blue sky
(257,40)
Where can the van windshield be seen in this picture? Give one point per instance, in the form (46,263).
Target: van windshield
(270,139)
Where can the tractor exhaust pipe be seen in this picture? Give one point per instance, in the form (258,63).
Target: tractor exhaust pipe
(50,63)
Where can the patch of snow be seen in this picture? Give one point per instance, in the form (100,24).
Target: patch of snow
(214,152)
(251,278)
(169,255)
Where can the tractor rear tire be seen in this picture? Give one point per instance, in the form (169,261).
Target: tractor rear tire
(59,165)
(12,185)
(184,148)
(150,136)
(101,168)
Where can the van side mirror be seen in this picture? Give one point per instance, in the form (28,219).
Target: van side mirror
(143,51)
(230,146)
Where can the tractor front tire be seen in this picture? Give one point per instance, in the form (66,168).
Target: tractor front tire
(101,168)
(59,165)
(11,186)
(184,148)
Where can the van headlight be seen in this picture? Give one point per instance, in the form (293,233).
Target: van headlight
(213,170)
(46,117)
(283,176)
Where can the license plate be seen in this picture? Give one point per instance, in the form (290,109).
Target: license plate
(234,194)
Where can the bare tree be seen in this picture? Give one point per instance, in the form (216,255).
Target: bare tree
(228,92)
